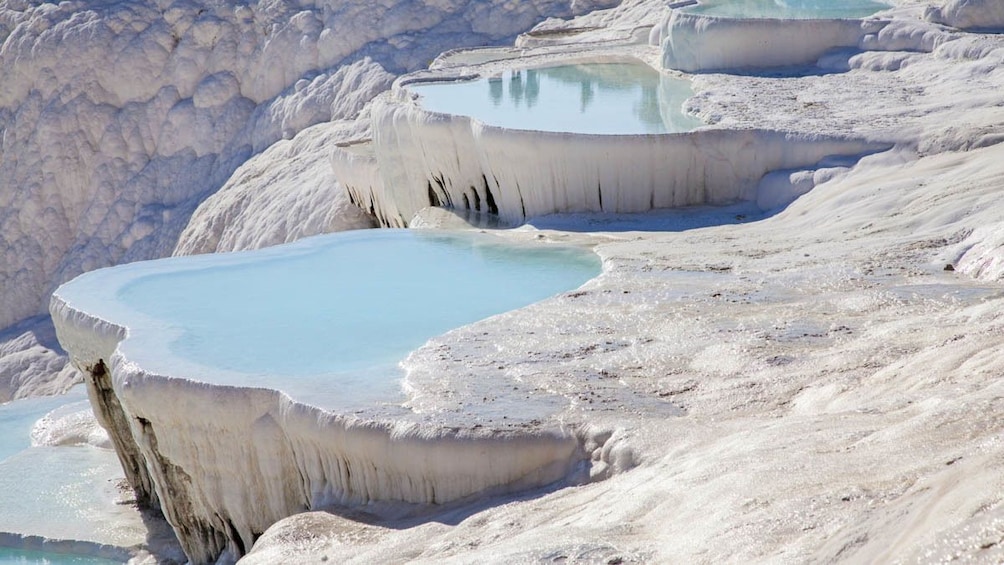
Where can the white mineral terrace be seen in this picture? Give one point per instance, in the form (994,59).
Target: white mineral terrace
(264,376)
(464,160)
(757,34)
(811,373)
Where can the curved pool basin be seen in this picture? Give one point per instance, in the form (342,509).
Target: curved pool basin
(326,319)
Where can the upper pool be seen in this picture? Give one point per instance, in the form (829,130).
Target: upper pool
(607,98)
(787,9)
(326,319)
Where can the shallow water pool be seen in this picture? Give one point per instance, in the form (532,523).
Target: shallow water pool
(787,9)
(18,417)
(326,319)
(30,557)
(63,493)
(607,98)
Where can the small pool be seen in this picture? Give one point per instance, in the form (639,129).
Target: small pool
(63,493)
(19,416)
(607,98)
(787,9)
(31,557)
(326,319)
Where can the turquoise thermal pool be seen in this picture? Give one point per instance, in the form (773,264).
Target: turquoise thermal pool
(787,9)
(607,98)
(327,319)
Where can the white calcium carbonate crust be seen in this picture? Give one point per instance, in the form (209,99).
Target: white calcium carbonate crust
(814,371)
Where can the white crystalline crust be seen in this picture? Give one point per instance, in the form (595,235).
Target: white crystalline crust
(982,253)
(32,363)
(840,387)
(117,117)
(285,193)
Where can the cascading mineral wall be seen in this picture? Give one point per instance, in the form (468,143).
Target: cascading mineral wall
(428,159)
(224,463)
(696,43)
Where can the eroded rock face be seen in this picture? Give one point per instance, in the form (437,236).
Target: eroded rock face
(118,117)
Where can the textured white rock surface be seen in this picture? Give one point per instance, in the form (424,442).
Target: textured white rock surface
(32,363)
(287,192)
(839,388)
(968,14)
(836,384)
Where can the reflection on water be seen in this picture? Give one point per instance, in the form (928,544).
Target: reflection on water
(790,9)
(613,98)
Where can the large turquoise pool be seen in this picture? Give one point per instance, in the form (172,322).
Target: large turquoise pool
(326,319)
(787,9)
(607,98)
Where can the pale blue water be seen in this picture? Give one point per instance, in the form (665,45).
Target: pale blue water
(608,98)
(28,557)
(788,9)
(326,319)
(18,417)
(37,488)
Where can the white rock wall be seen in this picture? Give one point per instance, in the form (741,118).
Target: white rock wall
(287,192)
(32,363)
